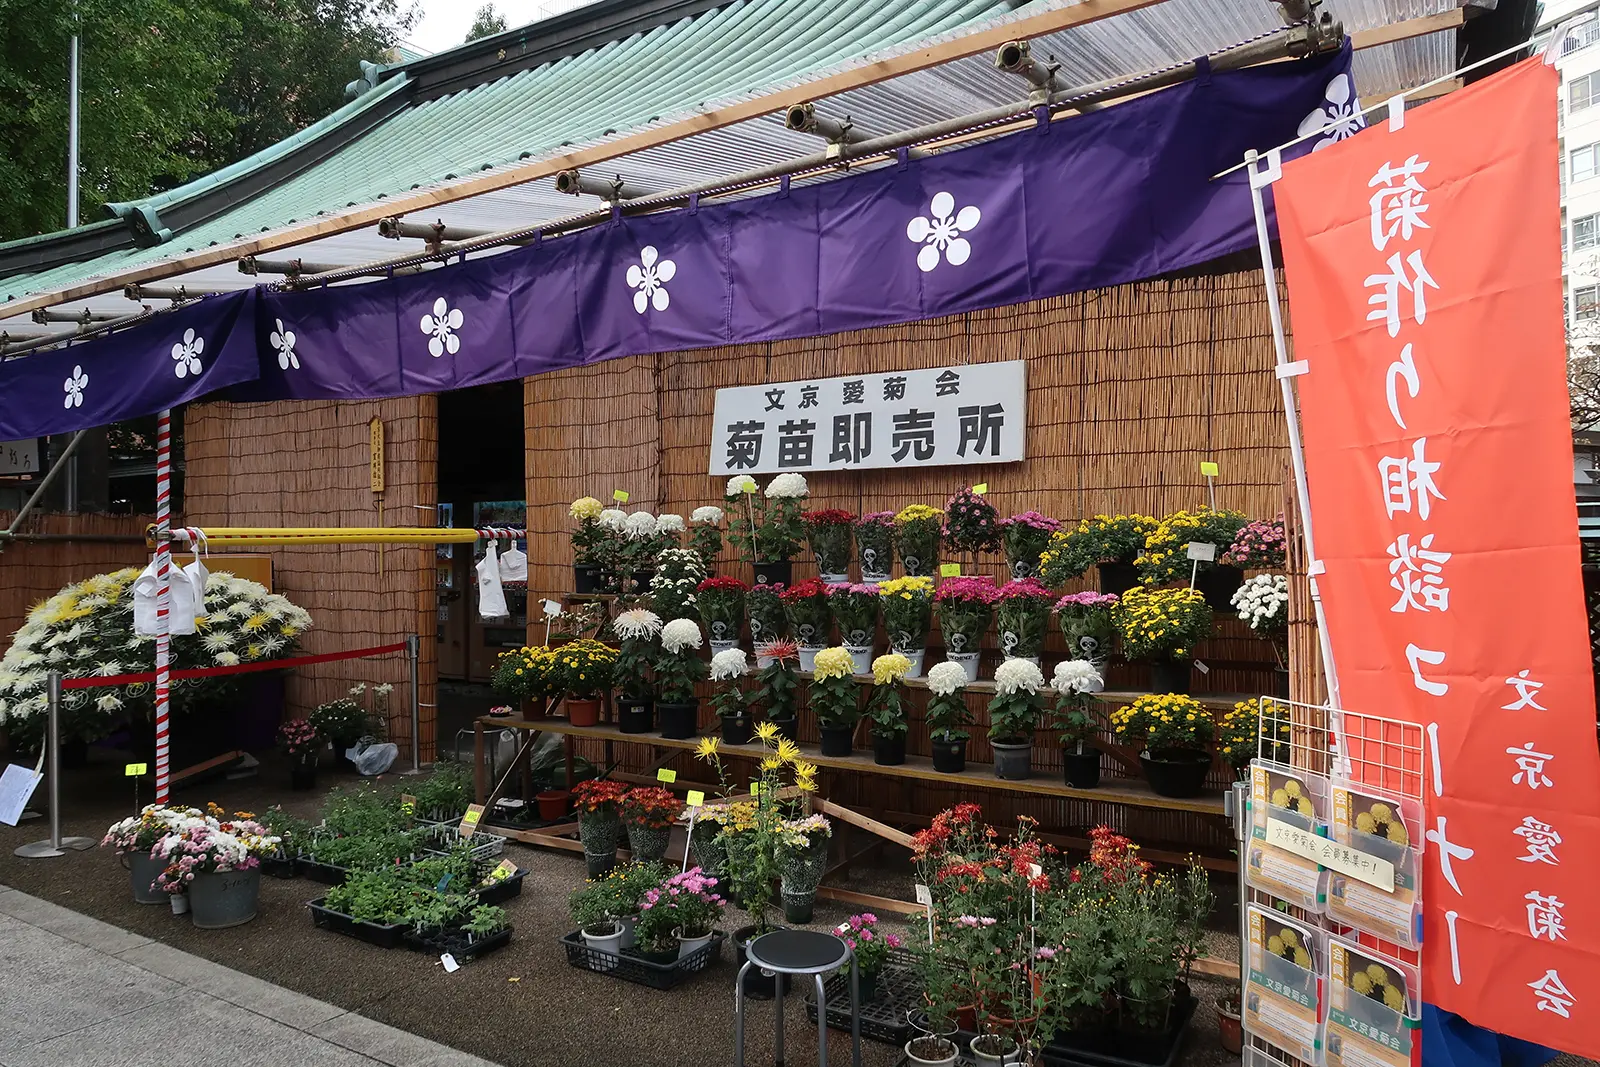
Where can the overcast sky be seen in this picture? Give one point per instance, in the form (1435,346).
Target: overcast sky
(444,23)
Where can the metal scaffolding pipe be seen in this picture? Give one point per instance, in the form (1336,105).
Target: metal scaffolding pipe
(45,316)
(291,267)
(573,183)
(435,233)
(1016,57)
(138,291)
(56,467)
(1286,42)
(804,118)
(83,334)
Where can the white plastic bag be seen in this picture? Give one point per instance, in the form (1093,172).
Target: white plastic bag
(373,757)
(491,597)
(181,601)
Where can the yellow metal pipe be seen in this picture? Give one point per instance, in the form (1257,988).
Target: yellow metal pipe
(264,536)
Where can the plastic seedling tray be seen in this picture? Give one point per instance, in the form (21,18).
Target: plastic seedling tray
(372,933)
(455,942)
(502,890)
(326,873)
(631,968)
(883,1018)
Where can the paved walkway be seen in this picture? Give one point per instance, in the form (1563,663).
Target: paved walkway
(77,992)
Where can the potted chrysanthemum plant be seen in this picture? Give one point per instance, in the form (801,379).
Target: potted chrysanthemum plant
(828,533)
(598,802)
(1013,714)
(971,523)
(1162,627)
(871,945)
(1260,545)
(1085,621)
(649,813)
(721,603)
(1025,537)
(1166,558)
(886,709)
(778,691)
(636,630)
(590,544)
(638,549)
(771,525)
(705,535)
(907,608)
(835,700)
(810,618)
(1076,681)
(965,607)
(1175,732)
(583,669)
(917,532)
(136,837)
(730,702)
(802,861)
(768,619)
(947,713)
(1263,603)
(875,545)
(1109,542)
(678,917)
(855,610)
(678,668)
(216,863)
(1022,618)
(673,586)
(301,743)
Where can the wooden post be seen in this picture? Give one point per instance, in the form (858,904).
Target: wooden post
(479,786)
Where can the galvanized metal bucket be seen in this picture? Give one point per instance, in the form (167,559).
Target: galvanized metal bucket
(142,872)
(217,901)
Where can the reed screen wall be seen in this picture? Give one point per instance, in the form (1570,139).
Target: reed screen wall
(31,571)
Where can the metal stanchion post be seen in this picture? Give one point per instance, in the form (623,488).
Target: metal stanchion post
(414,654)
(56,844)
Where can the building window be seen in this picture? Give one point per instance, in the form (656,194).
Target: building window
(1581,92)
(1584,233)
(1585,162)
(1581,37)
(1586,302)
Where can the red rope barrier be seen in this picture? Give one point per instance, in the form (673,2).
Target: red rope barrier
(241,668)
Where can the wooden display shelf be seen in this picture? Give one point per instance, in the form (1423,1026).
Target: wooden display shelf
(1222,701)
(1132,793)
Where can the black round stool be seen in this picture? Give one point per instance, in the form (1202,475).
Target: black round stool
(799,952)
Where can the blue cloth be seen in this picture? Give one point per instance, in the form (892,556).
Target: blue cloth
(1448,1040)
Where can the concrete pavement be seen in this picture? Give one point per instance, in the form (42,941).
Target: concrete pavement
(77,992)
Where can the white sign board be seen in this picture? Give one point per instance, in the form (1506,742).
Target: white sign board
(912,418)
(19,457)
(1362,866)
(16,786)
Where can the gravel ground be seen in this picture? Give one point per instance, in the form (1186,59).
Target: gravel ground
(523,1006)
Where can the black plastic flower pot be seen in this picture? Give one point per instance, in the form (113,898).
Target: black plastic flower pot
(598,866)
(889,751)
(302,776)
(1170,675)
(736,731)
(836,740)
(1218,583)
(641,579)
(1176,772)
(1082,768)
(950,757)
(585,578)
(1118,578)
(679,721)
(787,727)
(634,717)
(774,573)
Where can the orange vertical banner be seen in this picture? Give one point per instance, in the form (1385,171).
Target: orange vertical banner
(1423,261)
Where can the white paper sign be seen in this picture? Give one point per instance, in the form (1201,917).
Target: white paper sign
(16,786)
(924,896)
(552,608)
(19,457)
(1202,551)
(913,418)
(1362,866)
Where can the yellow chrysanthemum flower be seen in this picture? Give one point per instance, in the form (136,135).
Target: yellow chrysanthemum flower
(707,748)
(788,751)
(888,669)
(766,731)
(771,763)
(834,663)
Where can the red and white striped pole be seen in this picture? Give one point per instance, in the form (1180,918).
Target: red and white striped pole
(163,597)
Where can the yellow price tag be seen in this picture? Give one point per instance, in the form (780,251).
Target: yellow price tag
(748,485)
(695,798)
(949,570)
(665,775)
(1209,469)
(619,495)
(755,789)
(470,817)
(136,770)
(981,488)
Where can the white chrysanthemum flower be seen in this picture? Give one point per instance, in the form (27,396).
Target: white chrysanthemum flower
(740,484)
(108,702)
(1017,674)
(217,641)
(110,668)
(946,678)
(383,689)
(680,635)
(357,689)
(637,623)
(788,485)
(613,519)
(270,645)
(1077,676)
(276,606)
(669,523)
(227,659)
(30,659)
(639,525)
(706,516)
(729,664)
(56,656)
(300,618)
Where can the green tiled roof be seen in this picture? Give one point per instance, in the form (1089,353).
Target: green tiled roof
(729,51)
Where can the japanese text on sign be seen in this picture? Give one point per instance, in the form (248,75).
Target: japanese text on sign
(938,417)
(1362,866)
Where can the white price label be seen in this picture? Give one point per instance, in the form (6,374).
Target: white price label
(1200,550)
(924,895)
(552,608)
(450,964)
(1200,666)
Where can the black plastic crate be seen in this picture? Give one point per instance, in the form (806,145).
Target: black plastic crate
(280,866)
(883,1018)
(636,969)
(502,890)
(456,943)
(372,933)
(326,873)
(1108,1048)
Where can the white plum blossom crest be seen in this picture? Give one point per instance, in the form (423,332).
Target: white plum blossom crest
(1338,117)
(283,341)
(650,277)
(75,385)
(186,355)
(443,324)
(942,232)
